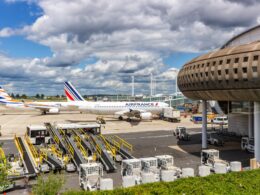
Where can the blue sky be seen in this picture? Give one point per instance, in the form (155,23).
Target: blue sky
(26,14)
(99,47)
(17,15)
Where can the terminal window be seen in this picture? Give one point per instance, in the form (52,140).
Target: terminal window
(228,61)
(254,68)
(235,70)
(245,59)
(255,58)
(226,71)
(220,62)
(236,60)
(244,70)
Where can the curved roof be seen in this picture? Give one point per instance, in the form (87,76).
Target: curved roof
(248,36)
(232,73)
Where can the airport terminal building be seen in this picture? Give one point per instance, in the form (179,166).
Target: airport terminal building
(231,76)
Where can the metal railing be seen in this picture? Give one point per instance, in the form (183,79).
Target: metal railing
(36,156)
(108,146)
(77,140)
(18,146)
(119,142)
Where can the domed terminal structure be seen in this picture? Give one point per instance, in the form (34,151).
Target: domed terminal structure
(230,74)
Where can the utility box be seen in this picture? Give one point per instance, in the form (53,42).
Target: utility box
(128,181)
(210,157)
(171,114)
(150,165)
(90,175)
(106,184)
(131,167)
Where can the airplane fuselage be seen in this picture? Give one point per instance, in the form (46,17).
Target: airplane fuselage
(111,108)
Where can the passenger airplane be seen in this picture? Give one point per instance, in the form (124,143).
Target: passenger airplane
(44,107)
(142,110)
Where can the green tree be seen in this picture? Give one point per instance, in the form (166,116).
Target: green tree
(37,96)
(48,186)
(4,166)
(12,95)
(24,96)
(42,96)
(17,96)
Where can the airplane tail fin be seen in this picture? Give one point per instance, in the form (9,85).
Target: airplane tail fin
(4,97)
(71,92)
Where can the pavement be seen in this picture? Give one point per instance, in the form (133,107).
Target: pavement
(15,122)
(149,138)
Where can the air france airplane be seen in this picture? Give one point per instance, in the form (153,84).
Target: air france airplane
(141,110)
(44,107)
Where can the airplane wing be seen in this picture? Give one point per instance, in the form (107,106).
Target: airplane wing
(41,107)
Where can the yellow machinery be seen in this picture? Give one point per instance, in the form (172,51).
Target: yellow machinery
(18,146)
(119,143)
(108,146)
(2,157)
(98,150)
(77,140)
(64,158)
(36,156)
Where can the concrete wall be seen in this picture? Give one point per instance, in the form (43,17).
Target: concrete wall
(238,123)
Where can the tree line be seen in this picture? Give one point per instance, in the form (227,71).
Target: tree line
(37,96)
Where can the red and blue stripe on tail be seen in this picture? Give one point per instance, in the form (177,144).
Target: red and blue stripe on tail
(71,92)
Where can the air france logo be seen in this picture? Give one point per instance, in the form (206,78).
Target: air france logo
(144,104)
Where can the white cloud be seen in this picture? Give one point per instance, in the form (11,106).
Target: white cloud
(6,32)
(126,37)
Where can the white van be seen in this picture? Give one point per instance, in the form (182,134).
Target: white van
(220,120)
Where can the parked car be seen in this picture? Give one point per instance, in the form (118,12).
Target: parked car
(214,139)
(221,120)
(248,144)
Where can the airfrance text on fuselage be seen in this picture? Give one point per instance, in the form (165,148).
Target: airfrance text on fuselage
(141,104)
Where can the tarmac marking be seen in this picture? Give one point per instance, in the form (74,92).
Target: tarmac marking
(197,147)
(187,148)
(150,137)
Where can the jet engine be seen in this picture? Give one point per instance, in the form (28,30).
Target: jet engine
(54,110)
(146,116)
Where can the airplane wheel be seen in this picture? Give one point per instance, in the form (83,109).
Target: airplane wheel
(120,118)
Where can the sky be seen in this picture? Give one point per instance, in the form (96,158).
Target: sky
(98,45)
